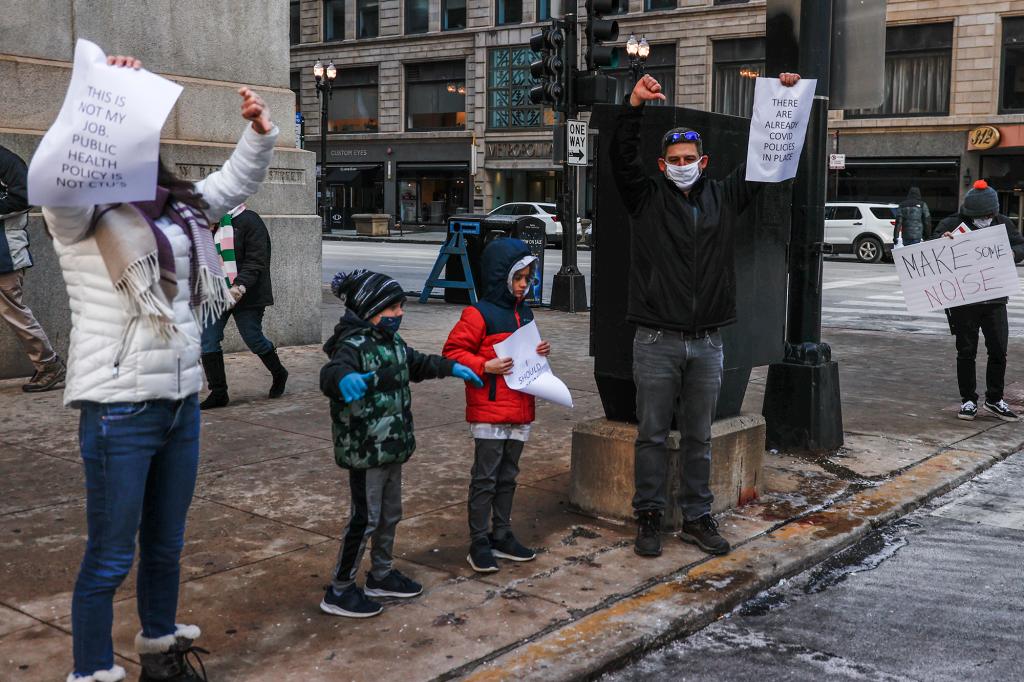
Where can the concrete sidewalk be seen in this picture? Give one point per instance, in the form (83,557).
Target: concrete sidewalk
(270,506)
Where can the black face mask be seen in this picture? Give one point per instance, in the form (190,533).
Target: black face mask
(389,324)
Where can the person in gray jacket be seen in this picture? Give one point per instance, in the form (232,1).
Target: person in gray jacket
(15,259)
(913,219)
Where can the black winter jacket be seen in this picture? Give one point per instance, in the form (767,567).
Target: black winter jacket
(252,254)
(951,222)
(682,269)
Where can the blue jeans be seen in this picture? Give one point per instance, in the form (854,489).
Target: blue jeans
(678,376)
(140,470)
(250,326)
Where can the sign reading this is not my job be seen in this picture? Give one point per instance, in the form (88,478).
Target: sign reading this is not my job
(103,146)
(778,127)
(946,273)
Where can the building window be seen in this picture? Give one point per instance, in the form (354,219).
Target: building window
(1012,99)
(508,90)
(622,7)
(294,25)
(295,84)
(453,14)
(661,63)
(353,106)
(435,96)
(737,64)
(334,20)
(654,5)
(543,10)
(508,12)
(367,18)
(917,72)
(730,2)
(417,16)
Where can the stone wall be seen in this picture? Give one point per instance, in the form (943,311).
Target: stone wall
(209,48)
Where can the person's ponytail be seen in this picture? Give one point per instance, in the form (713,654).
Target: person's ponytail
(181,190)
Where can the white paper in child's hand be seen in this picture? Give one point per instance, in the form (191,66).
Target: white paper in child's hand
(103,147)
(531,372)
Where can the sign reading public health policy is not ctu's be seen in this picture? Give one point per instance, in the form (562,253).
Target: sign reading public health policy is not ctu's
(576,142)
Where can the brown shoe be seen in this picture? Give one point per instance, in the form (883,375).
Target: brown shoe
(50,377)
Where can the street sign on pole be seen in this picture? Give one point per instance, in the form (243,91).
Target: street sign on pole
(836,161)
(576,142)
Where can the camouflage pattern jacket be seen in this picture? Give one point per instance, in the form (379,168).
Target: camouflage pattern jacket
(377,430)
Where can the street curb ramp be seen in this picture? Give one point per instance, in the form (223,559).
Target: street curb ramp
(693,598)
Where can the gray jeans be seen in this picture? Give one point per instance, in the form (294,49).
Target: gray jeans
(492,487)
(376,511)
(677,376)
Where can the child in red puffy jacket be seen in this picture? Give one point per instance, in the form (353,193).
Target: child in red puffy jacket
(499,417)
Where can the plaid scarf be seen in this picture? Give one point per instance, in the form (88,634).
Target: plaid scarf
(224,238)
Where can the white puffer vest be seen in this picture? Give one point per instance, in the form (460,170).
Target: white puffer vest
(145,366)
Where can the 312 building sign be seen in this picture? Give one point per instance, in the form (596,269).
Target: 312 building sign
(983,137)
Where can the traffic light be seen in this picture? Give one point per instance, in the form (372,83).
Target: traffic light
(549,70)
(600,30)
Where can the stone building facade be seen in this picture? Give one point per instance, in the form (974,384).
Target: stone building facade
(198,45)
(953,67)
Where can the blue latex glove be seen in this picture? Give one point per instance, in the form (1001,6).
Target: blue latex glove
(353,386)
(467,375)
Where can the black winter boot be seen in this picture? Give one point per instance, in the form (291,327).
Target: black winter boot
(171,658)
(213,367)
(648,533)
(277,372)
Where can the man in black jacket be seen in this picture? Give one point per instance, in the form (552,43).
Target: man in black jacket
(247,252)
(979,211)
(682,290)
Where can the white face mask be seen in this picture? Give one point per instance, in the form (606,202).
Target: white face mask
(982,222)
(684,177)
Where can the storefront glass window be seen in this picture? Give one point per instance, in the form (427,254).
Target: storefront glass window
(508,90)
(367,18)
(429,196)
(737,64)
(453,15)
(353,107)
(435,96)
(508,12)
(660,64)
(1012,99)
(334,20)
(417,16)
(917,72)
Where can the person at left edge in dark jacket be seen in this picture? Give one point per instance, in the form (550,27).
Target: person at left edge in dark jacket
(243,243)
(15,259)
(367,379)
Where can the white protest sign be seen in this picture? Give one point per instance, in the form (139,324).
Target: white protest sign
(946,273)
(777,128)
(531,373)
(104,145)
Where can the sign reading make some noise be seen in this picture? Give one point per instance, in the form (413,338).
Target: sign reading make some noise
(946,273)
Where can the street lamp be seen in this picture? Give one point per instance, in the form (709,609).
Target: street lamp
(324,77)
(638,51)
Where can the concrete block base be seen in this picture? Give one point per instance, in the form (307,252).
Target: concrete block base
(371,224)
(602,467)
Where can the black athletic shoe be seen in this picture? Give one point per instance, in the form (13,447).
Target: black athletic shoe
(351,603)
(511,549)
(648,534)
(968,411)
(1002,410)
(394,584)
(481,557)
(703,532)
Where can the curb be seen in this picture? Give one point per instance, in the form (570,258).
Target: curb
(679,604)
(378,240)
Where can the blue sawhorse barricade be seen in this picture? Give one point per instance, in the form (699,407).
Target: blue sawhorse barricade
(455,245)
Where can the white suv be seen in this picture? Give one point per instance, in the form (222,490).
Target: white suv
(863,229)
(546,212)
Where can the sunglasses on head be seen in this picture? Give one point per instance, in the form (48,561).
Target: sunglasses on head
(689,136)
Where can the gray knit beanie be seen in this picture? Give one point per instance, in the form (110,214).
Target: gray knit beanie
(980,200)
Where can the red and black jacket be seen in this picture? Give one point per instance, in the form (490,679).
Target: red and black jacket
(490,321)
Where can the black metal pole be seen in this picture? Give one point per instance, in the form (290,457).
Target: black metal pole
(325,93)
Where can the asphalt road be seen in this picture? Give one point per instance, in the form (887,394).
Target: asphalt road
(936,596)
(856,295)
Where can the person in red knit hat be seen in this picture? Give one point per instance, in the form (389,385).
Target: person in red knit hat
(980,211)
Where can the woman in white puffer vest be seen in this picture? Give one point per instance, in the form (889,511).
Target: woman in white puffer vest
(140,278)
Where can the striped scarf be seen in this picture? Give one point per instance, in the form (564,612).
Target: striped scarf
(224,238)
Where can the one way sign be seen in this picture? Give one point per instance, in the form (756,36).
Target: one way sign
(576,142)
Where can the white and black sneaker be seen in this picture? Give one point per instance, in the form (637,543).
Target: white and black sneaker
(351,603)
(394,584)
(968,411)
(1002,410)
(511,549)
(481,557)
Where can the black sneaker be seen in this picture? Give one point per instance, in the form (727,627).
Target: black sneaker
(648,534)
(968,411)
(351,603)
(703,532)
(510,548)
(394,584)
(1002,410)
(481,557)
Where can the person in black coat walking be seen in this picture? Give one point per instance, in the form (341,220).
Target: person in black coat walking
(244,246)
